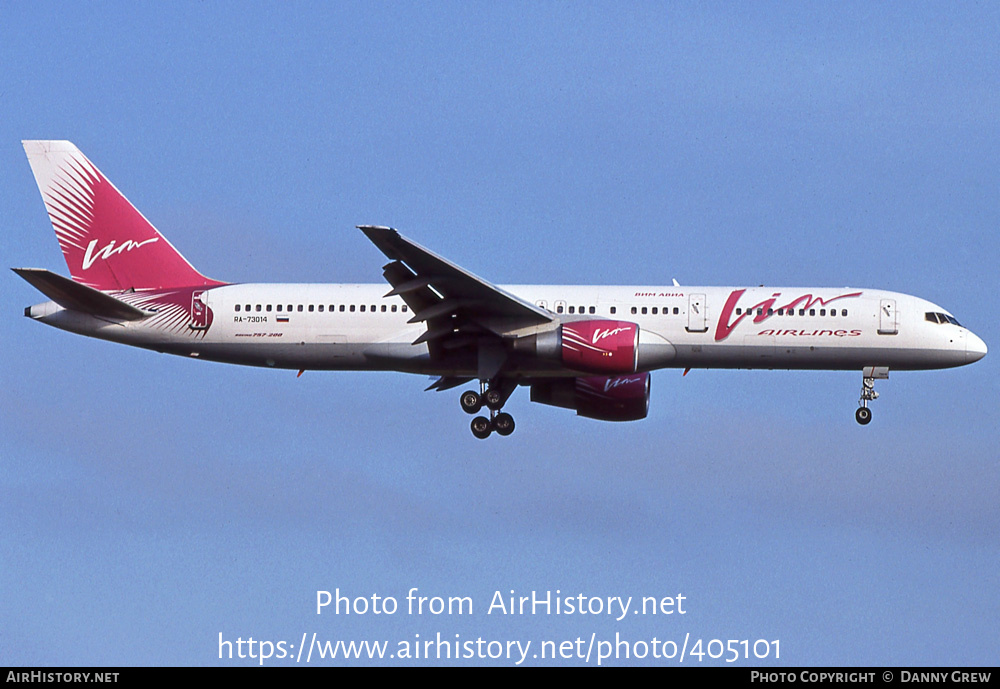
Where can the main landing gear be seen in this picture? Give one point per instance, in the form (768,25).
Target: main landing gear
(493,397)
(870,374)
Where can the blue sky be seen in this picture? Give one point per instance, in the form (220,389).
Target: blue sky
(149,503)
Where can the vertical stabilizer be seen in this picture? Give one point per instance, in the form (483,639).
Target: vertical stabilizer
(107,243)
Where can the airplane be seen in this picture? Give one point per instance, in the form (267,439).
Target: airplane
(586,348)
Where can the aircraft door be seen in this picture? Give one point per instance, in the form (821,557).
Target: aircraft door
(887,322)
(200,318)
(697,314)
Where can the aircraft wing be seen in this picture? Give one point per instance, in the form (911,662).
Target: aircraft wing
(458,307)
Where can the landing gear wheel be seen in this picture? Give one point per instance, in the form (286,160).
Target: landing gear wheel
(471,403)
(481,427)
(494,399)
(503,424)
(863,415)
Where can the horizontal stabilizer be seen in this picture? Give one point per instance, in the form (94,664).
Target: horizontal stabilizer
(76,297)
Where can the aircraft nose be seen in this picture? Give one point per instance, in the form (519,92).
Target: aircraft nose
(975,348)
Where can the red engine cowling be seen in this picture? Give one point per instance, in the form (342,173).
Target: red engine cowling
(601,346)
(614,398)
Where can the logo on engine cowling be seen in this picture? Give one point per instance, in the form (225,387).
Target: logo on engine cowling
(612,383)
(600,346)
(601,334)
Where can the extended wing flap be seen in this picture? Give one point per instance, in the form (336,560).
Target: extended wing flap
(446,383)
(76,297)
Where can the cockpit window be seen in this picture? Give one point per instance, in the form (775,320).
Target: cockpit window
(941,318)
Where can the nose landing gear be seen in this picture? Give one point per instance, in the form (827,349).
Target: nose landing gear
(870,374)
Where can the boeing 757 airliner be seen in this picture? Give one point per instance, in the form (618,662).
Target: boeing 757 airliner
(586,348)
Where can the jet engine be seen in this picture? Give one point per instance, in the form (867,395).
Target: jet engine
(615,398)
(599,346)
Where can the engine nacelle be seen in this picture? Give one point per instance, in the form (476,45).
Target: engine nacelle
(599,346)
(615,398)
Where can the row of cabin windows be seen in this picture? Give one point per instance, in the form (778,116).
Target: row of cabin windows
(392,308)
(386,308)
(666,310)
(654,310)
(635,309)
(790,312)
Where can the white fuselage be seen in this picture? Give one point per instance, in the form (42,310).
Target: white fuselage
(354,326)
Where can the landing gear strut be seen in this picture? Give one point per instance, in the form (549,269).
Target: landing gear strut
(870,373)
(493,397)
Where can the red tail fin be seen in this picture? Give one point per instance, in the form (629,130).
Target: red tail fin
(107,243)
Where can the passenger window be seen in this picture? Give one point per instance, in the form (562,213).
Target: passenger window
(770,312)
(572,309)
(676,310)
(394,308)
(321,308)
(559,309)
(654,310)
(383,308)
(237,307)
(822,312)
(812,312)
(279,308)
(247,308)
(352,308)
(635,310)
(268,307)
(613,310)
(843,312)
(593,309)
(404,308)
(643,310)
(362,308)
(300,308)
(258,307)
(760,312)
